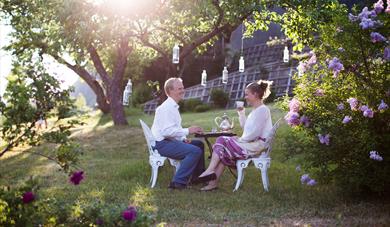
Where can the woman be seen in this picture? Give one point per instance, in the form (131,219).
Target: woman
(227,150)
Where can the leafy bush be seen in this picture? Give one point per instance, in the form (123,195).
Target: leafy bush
(340,102)
(202,108)
(142,93)
(189,105)
(219,97)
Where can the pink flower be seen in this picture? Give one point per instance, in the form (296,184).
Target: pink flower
(28,197)
(130,214)
(387,10)
(294,105)
(76,177)
(319,92)
(313,59)
(324,139)
(302,67)
(347,119)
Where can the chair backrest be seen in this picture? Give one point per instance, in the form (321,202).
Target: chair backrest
(271,137)
(150,140)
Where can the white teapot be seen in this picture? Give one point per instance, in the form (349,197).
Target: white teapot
(224,123)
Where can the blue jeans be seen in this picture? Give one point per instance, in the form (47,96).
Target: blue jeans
(191,156)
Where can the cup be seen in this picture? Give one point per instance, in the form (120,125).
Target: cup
(239,104)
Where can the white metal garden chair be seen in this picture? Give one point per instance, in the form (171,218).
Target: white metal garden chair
(262,162)
(155,159)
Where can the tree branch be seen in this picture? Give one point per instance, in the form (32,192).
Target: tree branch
(12,143)
(98,64)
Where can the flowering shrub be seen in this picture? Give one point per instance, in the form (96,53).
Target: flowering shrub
(343,91)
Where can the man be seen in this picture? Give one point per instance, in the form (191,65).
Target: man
(171,138)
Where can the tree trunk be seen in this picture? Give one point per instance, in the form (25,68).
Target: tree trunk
(117,111)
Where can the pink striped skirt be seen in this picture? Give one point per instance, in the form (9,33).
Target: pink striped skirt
(228,151)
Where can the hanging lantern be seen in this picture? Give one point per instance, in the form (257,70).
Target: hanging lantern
(204,78)
(127,93)
(175,54)
(225,75)
(286,56)
(241,63)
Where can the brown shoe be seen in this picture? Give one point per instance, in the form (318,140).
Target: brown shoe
(204,179)
(209,188)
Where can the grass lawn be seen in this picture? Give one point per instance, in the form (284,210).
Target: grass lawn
(116,168)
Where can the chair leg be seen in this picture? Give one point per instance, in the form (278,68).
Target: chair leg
(264,177)
(151,176)
(241,165)
(154,175)
(155,162)
(263,164)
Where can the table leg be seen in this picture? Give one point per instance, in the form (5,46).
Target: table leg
(210,147)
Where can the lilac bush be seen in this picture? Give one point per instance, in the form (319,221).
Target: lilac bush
(345,94)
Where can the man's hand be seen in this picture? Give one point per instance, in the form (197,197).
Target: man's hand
(195,130)
(187,141)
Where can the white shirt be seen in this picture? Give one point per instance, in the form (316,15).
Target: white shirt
(258,124)
(167,122)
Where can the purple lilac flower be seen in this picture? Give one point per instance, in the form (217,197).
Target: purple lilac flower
(368,113)
(376,37)
(386,54)
(305,178)
(292,119)
(28,197)
(130,214)
(298,168)
(378,6)
(347,119)
(336,66)
(319,92)
(353,102)
(366,13)
(341,49)
(305,121)
(382,106)
(374,155)
(324,139)
(352,17)
(294,105)
(340,106)
(363,108)
(76,177)
(311,182)
(367,23)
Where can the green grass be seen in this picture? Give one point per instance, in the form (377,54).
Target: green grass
(115,162)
